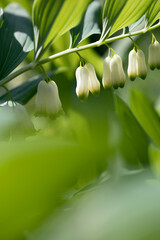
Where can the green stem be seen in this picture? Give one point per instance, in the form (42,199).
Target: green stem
(73,50)
(8,92)
(96,44)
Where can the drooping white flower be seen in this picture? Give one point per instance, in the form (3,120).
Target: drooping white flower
(14,120)
(106,80)
(115,77)
(152,61)
(132,65)
(117,72)
(93,83)
(48,101)
(121,71)
(154,55)
(141,64)
(82,77)
(157,47)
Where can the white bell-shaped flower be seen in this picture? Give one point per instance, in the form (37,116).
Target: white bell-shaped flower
(93,83)
(114,68)
(157,47)
(48,101)
(152,62)
(132,65)
(154,55)
(117,72)
(23,118)
(141,64)
(14,120)
(106,80)
(82,76)
(121,71)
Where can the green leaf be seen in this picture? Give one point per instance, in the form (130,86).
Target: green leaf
(153,13)
(16,36)
(154,156)
(53,18)
(110,13)
(145,113)
(135,136)
(88,26)
(119,14)
(137,23)
(23,93)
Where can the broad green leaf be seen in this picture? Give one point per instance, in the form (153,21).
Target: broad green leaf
(89,24)
(140,24)
(144,111)
(23,93)
(119,14)
(53,18)
(111,12)
(153,13)
(137,24)
(16,36)
(133,131)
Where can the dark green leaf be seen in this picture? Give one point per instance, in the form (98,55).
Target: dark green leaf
(145,113)
(88,26)
(16,38)
(135,136)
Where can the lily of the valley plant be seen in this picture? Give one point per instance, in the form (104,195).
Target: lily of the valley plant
(47,28)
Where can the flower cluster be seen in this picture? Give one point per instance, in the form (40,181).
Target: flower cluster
(136,65)
(48,101)
(86,81)
(113,76)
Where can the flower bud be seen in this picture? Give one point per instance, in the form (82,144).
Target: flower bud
(93,83)
(48,101)
(132,65)
(82,76)
(141,64)
(121,71)
(106,81)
